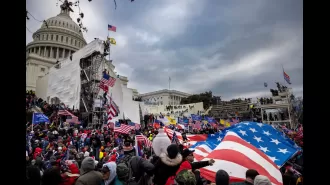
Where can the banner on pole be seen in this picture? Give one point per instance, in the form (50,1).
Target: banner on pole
(39,118)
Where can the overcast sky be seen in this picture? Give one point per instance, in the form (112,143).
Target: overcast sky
(230,47)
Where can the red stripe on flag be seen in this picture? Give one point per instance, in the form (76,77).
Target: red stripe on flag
(235,156)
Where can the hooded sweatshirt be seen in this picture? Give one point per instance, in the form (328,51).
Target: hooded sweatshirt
(262,180)
(87,173)
(113,178)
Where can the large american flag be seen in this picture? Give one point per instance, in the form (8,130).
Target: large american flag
(124,129)
(236,156)
(263,137)
(108,80)
(143,139)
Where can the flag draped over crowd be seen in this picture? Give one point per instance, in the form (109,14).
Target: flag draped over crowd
(242,146)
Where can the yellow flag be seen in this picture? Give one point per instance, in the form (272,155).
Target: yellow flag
(112,41)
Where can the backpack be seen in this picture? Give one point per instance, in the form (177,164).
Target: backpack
(125,174)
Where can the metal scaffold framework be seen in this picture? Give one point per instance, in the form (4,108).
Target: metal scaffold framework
(91,70)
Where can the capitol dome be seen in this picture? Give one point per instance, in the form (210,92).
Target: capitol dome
(59,40)
(56,40)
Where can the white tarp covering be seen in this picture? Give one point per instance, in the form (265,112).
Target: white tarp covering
(64,83)
(131,108)
(116,94)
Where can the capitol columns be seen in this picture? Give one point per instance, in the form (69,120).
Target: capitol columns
(51,52)
(39,50)
(63,55)
(57,52)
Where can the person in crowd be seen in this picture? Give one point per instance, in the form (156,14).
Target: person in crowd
(188,155)
(166,164)
(185,177)
(96,145)
(141,170)
(300,180)
(87,173)
(33,176)
(288,177)
(262,180)
(109,174)
(51,176)
(185,165)
(71,175)
(250,175)
(221,178)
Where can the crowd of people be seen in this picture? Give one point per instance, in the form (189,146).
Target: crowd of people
(71,154)
(80,156)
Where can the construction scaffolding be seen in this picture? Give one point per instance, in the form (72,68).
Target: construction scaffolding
(281,101)
(91,108)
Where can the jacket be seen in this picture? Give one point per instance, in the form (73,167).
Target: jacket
(241,183)
(165,167)
(116,181)
(90,178)
(87,173)
(198,165)
(140,167)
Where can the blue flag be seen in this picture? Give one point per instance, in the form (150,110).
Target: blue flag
(39,118)
(263,136)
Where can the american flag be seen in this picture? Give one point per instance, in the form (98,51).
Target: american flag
(108,80)
(143,139)
(234,121)
(181,126)
(134,126)
(104,87)
(110,125)
(263,137)
(286,77)
(197,125)
(192,138)
(74,119)
(112,28)
(236,156)
(124,129)
(112,110)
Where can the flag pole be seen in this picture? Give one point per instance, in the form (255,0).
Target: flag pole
(169,83)
(32,121)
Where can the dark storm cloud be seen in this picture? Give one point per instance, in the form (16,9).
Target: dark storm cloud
(230,47)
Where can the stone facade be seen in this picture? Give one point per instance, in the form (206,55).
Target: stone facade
(163,97)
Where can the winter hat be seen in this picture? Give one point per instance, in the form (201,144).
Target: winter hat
(172,151)
(86,154)
(160,142)
(222,177)
(262,180)
(87,164)
(186,177)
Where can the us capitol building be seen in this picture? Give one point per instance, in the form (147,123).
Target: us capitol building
(54,42)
